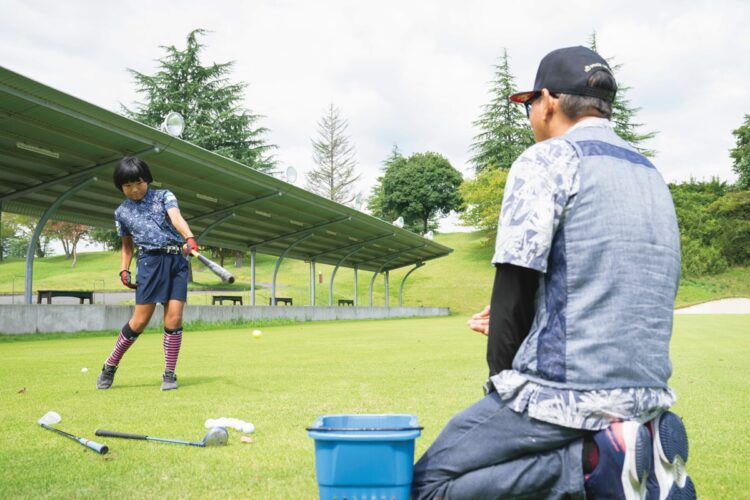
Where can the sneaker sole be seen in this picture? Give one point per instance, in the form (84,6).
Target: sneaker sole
(637,460)
(670,456)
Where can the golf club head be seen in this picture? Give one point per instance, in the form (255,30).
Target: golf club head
(216,436)
(50,418)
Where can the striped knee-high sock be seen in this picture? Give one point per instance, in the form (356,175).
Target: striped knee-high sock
(172,342)
(126,338)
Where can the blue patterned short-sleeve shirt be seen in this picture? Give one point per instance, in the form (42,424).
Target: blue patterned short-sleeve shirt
(540,185)
(147,221)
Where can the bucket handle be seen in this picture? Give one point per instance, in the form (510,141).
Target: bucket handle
(344,429)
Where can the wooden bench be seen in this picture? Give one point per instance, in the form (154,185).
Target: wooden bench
(279,300)
(221,298)
(346,302)
(81,295)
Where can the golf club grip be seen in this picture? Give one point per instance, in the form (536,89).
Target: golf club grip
(214,267)
(93,445)
(102,432)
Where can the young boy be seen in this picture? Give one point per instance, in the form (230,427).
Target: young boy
(150,220)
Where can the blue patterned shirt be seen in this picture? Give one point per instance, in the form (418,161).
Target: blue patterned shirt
(147,221)
(540,184)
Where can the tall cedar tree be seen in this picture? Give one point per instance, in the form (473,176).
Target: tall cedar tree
(741,154)
(212,107)
(423,187)
(334,176)
(504,130)
(623,114)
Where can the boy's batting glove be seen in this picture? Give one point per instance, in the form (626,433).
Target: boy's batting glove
(126,279)
(189,246)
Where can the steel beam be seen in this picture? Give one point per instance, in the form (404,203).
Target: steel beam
(38,230)
(360,243)
(278,264)
(375,274)
(235,206)
(301,231)
(403,280)
(333,274)
(70,177)
(252,276)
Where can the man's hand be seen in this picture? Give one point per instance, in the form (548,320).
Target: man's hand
(126,279)
(190,246)
(480,322)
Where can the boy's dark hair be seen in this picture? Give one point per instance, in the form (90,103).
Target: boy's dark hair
(131,169)
(576,106)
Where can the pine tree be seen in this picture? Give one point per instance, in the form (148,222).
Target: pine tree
(212,107)
(334,176)
(504,130)
(375,202)
(623,115)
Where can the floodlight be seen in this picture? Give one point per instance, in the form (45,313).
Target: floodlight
(173,124)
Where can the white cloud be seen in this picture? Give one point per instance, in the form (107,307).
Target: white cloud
(411,73)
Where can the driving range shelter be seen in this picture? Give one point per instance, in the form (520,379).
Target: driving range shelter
(57,154)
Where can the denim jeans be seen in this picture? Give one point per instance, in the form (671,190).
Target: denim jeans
(489,451)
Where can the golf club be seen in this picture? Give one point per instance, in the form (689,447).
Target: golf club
(51,417)
(216,436)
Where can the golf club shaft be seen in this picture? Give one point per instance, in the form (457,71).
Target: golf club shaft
(125,435)
(92,445)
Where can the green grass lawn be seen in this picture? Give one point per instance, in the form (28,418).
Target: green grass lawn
(282,382)
(461,281)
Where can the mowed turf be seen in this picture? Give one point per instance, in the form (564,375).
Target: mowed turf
(430,367)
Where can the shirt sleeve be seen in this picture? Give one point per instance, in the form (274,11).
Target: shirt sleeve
(170,200)
(122,230)
(511,314)
(538,187)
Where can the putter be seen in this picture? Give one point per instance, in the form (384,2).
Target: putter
(216,436)
(51,417)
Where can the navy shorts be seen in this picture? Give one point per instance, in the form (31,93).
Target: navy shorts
(161,277)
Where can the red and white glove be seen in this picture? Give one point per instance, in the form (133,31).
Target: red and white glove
(190,246)
(126,279)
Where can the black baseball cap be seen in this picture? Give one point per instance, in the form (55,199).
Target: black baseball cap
(567,71)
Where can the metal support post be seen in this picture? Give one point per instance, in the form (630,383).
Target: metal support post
(401,288)
(278,264)
(252,276)
(312,282)
(38,231)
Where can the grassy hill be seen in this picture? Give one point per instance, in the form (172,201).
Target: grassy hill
(461,281)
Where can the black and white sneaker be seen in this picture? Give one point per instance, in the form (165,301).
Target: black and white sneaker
(668,479)
(106,377)
(168,381)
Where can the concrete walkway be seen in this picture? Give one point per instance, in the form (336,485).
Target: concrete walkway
(201,297)
(723,306)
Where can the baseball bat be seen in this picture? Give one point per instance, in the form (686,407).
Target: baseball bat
(214,267)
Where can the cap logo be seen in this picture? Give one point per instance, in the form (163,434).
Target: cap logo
(589,67)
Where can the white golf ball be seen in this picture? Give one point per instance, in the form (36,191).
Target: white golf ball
(210,423)
(248,427)
(257,334)
(84,370)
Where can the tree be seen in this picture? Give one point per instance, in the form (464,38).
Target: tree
(375,202)
(741,154)
(212,107)
(623,115)
(334,176)
(25,229)
(69,235)
(421,188)
(504,130)
(107,237)
(483,199)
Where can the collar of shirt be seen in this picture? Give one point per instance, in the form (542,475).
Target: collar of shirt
(591,121)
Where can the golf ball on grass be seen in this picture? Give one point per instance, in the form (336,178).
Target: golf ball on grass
(257,334)
(84,370)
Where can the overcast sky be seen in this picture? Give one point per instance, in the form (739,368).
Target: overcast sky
(413,74)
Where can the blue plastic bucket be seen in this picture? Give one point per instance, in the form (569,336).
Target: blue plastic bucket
(364,457)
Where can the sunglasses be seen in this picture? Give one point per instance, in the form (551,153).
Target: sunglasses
(531,100)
